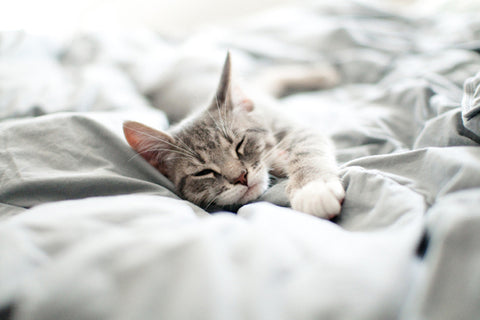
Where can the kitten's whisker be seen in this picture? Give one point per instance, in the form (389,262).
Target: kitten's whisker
(134,156)
(210,203)
(270,152)
(185,155)
(183,149)
(215,197)
(187,148)
(151,150)
(163,141)
(217,125)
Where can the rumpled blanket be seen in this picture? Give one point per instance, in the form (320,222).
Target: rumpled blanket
(89,230)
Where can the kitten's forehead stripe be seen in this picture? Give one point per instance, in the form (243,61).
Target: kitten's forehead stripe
(187,140)
(218,137)
(211,145)
(229,139)
(199,157)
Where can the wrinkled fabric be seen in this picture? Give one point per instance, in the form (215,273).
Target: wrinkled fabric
(89,230)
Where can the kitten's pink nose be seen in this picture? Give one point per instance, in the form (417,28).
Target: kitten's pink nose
(242,179)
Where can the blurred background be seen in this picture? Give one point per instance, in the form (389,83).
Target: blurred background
(173,17)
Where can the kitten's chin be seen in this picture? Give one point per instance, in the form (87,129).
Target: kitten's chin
(243,195)
(239,195)
(253,192)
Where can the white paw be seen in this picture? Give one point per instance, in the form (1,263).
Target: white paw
(319,198)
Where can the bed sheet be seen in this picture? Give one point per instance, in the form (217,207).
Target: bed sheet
(88,230)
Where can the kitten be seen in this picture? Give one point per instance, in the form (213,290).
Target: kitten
(223,155)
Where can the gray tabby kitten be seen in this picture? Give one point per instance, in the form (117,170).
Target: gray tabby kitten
(223,155)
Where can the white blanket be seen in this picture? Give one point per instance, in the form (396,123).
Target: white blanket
(89,230)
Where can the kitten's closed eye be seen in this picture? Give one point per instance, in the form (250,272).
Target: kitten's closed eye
(239,148)
(204,172)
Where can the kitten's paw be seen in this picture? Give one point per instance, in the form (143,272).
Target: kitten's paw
(319,198)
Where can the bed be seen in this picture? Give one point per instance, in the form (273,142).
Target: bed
(88,230)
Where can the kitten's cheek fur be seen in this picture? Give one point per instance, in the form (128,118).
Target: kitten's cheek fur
(319,198)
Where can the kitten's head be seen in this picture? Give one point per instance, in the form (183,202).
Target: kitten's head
(217,157)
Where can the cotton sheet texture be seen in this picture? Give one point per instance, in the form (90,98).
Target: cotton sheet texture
(88,230)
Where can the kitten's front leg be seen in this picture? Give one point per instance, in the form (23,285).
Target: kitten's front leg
(314,186)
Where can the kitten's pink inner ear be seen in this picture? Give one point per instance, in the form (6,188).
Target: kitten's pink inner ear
(240,99)
(131,132)
(148,142)
(246,104)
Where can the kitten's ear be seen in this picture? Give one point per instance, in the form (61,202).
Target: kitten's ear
(228,95)
(153,145)
(223,95)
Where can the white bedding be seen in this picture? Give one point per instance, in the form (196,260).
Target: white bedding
(89,230)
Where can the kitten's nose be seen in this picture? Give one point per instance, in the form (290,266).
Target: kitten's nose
(242,179)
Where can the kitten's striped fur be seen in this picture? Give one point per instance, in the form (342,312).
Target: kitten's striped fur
(222,155)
